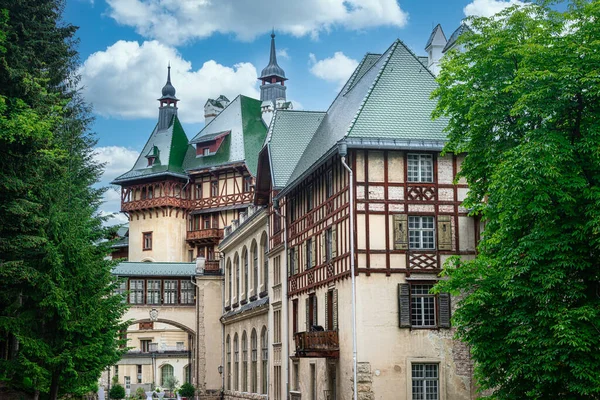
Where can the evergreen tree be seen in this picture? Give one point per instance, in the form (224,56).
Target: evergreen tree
(59,317)
(523,101)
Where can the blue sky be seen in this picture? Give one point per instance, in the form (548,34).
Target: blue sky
(219,47)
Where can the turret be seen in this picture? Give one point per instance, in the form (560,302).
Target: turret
(168,103)
(434,48)
(272,78)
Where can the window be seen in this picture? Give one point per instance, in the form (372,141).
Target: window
(136,291)
(245,257)
(422,306)
(328,247)
(296,376)
(295,316)
(139,374)
(309,254)
(117,372)
(206,221)
(276,270)
(229,280)
(205,151)
(228,372)
(265,262)
(277,326)
(171,292)
(425,382)
(145,345)
(265,358)
(309,197)
(418,308)
(421,233)
(311,312)
(313,382)
(187,292)
(236,361)
(255,269)
(214,188)
(253,372)
(147,241)
(329,183)
(127,382)
(277,382)
(420,168)
(153,292)
(244,362)
(191,255)
(120,291)
(166,374)
(237,279)
(276,223)
(247,184)
(198,191)
(292,261)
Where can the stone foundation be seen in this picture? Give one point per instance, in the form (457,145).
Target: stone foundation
(233,395)
(364,384)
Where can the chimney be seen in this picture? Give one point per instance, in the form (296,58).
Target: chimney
(267,109)
(213,107)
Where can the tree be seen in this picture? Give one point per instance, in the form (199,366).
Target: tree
(523,103)
(59,317)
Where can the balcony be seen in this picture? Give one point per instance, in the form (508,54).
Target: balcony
(211,235)
(212,267)
(325,344)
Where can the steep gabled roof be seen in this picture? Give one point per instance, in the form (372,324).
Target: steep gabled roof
(289,133)
(242,118)
(437,31)
(171,146)
(455,35)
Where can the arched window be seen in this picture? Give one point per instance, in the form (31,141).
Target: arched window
(253,346)
(186,374)
(236,360)
(245,258)
(264,343)
(265,250)
(244,362)
(237,278)
(229,288)
(228,360)
(254,268)
(166,374)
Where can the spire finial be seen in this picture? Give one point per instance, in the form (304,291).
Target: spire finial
(273,33)
(169,73)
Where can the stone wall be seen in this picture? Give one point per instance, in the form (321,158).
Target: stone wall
(364,383)
(233,395)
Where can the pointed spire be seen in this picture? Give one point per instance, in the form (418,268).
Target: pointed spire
(273,69)
(168,91)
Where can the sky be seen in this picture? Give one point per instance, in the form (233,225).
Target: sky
(219,47)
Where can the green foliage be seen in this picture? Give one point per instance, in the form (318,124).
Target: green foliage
(187,390)
(117,392)
(139,393)
(171,382)
(59,319)
(523,100)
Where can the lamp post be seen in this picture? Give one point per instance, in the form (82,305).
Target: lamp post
(220,369)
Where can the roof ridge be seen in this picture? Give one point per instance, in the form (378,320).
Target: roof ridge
(416,57)
(207,125)
(350,81)
(362,104)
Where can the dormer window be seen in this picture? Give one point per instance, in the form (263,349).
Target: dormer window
(153,156)
(205,151)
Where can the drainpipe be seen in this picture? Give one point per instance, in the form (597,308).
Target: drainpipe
(222,255)
(284,305)
(343,151)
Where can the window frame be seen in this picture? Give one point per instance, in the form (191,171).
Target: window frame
(421,316)
(423,160)
(421,230)
(424,379)
(147,241)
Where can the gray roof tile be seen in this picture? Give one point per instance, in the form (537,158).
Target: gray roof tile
(154,269)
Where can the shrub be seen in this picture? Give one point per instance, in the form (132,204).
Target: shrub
(117,392)
(187,390)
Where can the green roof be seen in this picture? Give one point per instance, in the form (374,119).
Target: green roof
(154,269)
(170,145)
(386,100)
(243,118)
(289,128)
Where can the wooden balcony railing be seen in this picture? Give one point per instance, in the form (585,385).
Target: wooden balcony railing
(212,266)
(324,344)
(205,235)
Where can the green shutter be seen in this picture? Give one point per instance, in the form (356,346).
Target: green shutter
(326,324)
(335,310)
(404,305)
(307,314)
(444,302)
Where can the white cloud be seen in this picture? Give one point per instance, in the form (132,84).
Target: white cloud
(337,68)
(487,8)
(176,22)
(283,54)
(126,79)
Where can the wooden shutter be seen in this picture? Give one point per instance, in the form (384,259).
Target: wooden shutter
(335,310)
(326,324)
(313,252)
(308,314)
(334,241)
(289,262)
(404,305)
(444,302)
(444,228)
(400,232)
(296,266)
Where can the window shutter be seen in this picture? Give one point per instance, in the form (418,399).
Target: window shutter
(307,315)
(444,301)
(400,232)
(289,262)
(335,310)
(323,251)
(444,233)
(326,325)
(304,247)
(334,241)
(313,251)
(296,266)
(404,304)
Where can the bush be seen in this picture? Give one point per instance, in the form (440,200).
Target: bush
(117,392)
(140,393)
(187,390)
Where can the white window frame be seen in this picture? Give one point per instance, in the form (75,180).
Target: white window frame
(422,160)
(420,230)
(426,360)
(422,298)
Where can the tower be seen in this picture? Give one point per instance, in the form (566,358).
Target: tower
(168,103)
(272,78)
(434,48)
